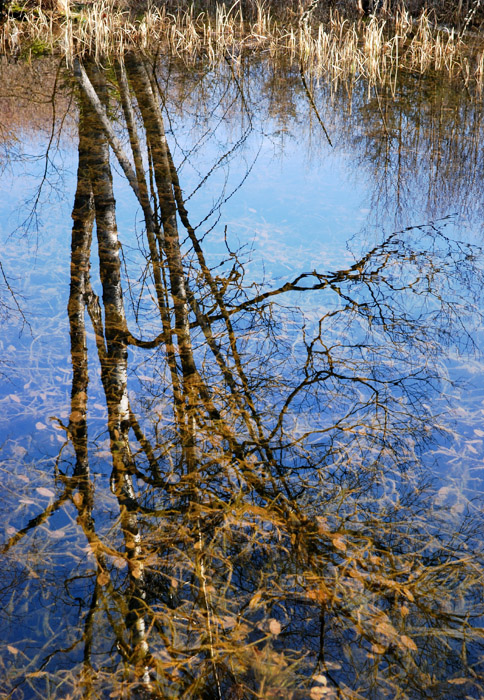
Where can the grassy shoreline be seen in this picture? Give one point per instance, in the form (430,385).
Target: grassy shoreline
(336,47)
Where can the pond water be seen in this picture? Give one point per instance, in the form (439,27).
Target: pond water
(241,421)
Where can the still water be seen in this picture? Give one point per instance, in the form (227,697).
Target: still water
(241,420)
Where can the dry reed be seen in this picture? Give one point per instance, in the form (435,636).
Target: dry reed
(336,49)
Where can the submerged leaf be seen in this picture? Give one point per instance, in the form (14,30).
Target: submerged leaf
(45,492)
(57,534)
(275,627)
(408,643)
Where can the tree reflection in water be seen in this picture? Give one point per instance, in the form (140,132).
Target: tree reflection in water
(273,533)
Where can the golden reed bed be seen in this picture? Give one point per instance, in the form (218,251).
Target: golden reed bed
(337,48)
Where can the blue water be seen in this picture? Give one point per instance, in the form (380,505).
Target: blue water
(289,203)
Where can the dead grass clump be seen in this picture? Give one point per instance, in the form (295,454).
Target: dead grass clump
(430,50)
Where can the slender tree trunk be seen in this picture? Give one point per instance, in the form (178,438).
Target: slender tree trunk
(153,235)
(114,375)
(83,218)
(156,139)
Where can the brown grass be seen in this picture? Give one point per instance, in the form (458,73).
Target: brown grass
(338,49)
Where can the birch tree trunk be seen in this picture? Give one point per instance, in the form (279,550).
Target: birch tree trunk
(113,357)
(83,218)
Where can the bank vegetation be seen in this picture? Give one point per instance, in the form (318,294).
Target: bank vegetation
(331,40)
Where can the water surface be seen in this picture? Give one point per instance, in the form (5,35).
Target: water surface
(240,458)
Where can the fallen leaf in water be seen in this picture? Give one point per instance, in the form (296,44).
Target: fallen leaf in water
(320,679)
(45,492)
(57,534)
(408,643)
(275,627)
(103,578)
